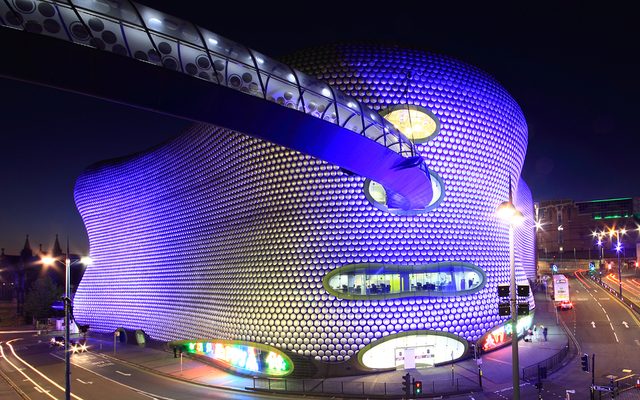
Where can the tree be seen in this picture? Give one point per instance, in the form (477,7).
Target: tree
(41,295)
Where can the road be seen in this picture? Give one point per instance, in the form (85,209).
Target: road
(598,324)
(38,371)
(605,327)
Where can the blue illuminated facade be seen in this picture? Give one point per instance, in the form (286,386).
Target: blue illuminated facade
(223,237)
(219,235)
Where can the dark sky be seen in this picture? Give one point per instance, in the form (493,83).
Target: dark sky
(572,68)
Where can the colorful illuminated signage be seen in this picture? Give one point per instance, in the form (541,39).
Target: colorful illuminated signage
(243,357)
(502,334)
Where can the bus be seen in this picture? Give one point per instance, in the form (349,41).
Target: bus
(560,291)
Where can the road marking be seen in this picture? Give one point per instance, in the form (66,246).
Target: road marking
(626,325)
(607,315)
(13,351)
(611,326)
(614,334)
(25,375)
(83,382)
(593,324)
(123,373)
(37,388)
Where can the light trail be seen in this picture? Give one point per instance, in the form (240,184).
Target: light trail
(38,387)
(625,285)
(38,372)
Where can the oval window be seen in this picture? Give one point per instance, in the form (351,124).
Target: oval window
(420,348)
(243,357)
(417,123)
(377,196)
(372,280)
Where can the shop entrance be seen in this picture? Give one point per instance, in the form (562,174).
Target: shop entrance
(415,357)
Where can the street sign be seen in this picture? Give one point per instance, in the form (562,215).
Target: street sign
(58,305)
(602,388)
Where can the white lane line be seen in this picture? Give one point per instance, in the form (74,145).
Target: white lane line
(139,391)
(83,382)
(637,342)
(611,326)
(607,315)
(614,334)
(123,373)
(25,375)
(34,369)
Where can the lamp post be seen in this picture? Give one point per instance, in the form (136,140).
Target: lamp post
(67,313)
(618,250)
(507,212)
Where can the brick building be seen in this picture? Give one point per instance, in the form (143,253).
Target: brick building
(574,230)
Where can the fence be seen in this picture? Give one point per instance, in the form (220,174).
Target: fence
(551,364)
(335,386)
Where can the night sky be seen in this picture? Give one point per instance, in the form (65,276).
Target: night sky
(574,70)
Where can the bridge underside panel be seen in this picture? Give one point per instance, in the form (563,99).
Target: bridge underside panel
(88,71)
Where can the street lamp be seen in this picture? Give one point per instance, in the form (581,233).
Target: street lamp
(509,214)
(67,312)
(618,250)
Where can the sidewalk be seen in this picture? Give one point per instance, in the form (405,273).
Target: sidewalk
(457,378)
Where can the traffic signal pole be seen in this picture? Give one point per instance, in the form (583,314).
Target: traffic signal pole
(593,375)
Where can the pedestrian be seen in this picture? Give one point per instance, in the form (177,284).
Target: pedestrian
(544,332)
(535,333)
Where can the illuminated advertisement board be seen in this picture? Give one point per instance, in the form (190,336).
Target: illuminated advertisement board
(501,334)
(243,357)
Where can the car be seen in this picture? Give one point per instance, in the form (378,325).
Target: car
(79,346)
(565,305)
(57,341)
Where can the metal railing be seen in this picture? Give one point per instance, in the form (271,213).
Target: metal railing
(551,364)
(136,31)
(458,384)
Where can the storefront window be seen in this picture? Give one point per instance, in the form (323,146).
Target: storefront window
(380,280)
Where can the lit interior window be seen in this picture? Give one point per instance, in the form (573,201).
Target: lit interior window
(417,123)
(362,281)
(243,357)
(377,195)
(412,349)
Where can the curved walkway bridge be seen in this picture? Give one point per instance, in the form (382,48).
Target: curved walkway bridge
(131,54)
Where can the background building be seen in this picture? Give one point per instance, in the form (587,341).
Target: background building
(580,230)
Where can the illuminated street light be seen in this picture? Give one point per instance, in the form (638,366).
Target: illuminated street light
(508,213)
(67,310)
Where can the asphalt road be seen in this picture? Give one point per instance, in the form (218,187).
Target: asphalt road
(602,326)
(38,371)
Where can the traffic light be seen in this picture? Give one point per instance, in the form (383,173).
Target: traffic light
(417,388)
(406,385)
(523,290)
(585,362)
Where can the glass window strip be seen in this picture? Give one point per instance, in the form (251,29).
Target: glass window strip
(375,281)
